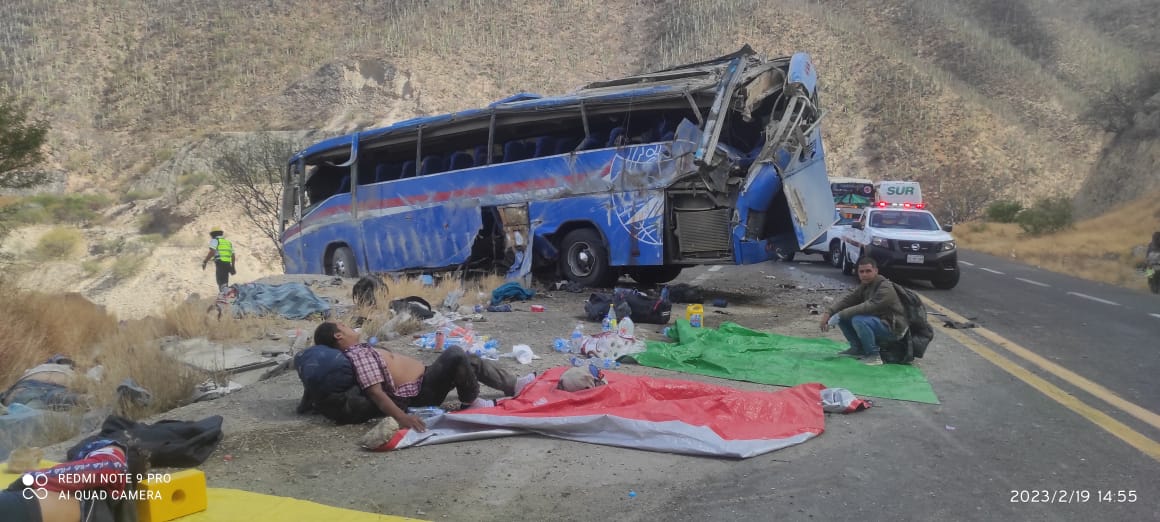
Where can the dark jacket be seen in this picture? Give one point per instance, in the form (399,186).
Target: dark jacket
(877,298)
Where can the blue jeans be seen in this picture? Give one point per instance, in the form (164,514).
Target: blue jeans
(864,332)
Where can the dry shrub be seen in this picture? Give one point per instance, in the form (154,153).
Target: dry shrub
(197,319)
(38,326)
(134,352)
(1098,249)
(58,243)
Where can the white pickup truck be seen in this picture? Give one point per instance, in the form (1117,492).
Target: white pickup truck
(906,242)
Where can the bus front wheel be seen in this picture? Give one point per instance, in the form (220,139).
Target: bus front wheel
(343,263)
(585,260)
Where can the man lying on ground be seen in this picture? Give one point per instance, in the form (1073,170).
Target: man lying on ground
(396,382)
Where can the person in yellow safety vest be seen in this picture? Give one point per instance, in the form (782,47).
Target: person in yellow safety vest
(221,251)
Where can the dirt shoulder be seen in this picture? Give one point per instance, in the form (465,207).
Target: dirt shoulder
(269,449)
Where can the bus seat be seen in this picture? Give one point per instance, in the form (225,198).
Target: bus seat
(344,185)
(432,165)
(408,169)
(387,172)
(594,141)
(461,160)
(480,155)
(565,145)
(614,136)
(662,126)
(543,146)
(515,150)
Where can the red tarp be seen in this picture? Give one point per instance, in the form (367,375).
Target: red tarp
(648,413)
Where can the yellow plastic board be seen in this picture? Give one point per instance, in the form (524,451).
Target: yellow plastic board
(233,505)
(172,496)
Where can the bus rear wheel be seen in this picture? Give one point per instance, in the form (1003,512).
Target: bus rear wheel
(654,275)
(343,263)
(584,259)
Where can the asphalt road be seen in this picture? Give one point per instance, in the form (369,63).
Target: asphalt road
(1108,334)
(992,438)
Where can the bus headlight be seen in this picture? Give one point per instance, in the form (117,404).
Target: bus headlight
(948,246)
(880,241)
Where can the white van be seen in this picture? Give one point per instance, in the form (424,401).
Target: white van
(904,194)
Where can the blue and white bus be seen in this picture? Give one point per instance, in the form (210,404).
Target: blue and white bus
(716,162)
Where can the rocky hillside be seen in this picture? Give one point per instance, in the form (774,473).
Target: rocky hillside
(976,98)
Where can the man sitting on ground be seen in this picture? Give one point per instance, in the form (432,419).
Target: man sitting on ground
(396,382)
(870,315)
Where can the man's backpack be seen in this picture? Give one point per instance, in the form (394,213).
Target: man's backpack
(919,334)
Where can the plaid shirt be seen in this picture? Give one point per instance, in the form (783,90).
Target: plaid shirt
(370,370)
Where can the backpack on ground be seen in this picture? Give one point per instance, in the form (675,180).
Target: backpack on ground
(919,333)
(365,290)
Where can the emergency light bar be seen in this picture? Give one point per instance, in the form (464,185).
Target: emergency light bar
(920,206)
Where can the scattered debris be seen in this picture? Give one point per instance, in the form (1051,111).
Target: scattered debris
(959,326)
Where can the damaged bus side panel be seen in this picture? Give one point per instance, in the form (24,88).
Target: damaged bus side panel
(708,163)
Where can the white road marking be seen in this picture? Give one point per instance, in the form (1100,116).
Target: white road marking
(1155,315)
(1036,283)
(992,271)
(1096,299)
(966,263)
(715,268)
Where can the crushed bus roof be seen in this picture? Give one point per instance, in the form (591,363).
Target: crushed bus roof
(676,82)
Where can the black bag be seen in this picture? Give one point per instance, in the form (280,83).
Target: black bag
(170,443)
(365,290)
(642,308)
(417,306)
(596,307)
(648,309)
(919,334)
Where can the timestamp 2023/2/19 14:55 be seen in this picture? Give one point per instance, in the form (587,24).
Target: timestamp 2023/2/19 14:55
(1073,496)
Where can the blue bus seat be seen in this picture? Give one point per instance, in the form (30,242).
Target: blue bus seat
(516,150)
(543,146)
(387,172)
(593,141)
(433,164)
(344,185)
(408,169)
(565,145)
(480,155)
(614,136)
(461,160)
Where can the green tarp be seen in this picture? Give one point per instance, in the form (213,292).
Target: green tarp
(738,353)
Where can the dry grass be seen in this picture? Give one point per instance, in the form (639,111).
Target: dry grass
(39,326)
(1099,249)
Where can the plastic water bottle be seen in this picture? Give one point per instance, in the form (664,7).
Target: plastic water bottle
(577,338)
(491,345)
(560,345)
(626,328)
(612,315)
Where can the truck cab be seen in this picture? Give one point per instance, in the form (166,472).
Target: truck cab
(906,242)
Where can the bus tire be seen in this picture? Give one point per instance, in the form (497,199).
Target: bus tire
(584,259)
(654,275)
(836,254)
(343,263)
